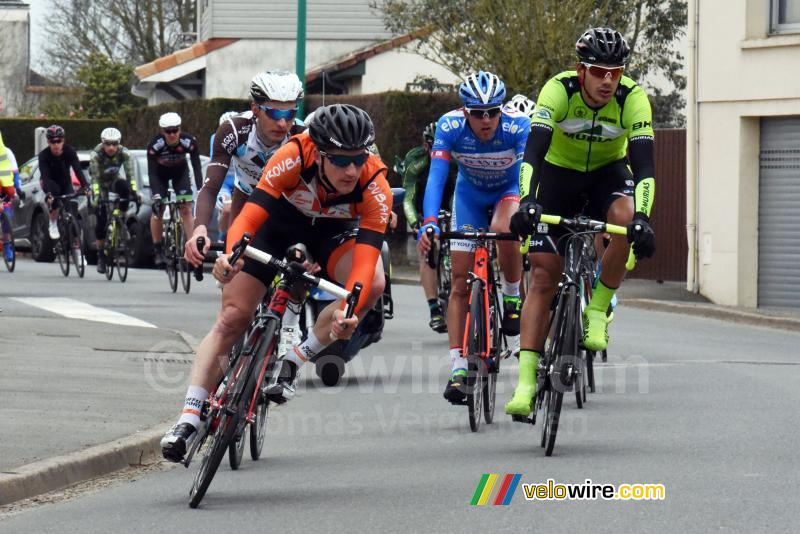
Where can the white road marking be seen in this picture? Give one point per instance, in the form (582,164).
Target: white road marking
(75,309)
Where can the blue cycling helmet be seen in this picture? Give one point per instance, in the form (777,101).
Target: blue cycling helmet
(482,90)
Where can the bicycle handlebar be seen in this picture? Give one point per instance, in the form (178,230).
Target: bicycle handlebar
(583,224)
(198,271)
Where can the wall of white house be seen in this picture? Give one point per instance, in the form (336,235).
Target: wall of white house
(391,71)
(230,69)
(742,75)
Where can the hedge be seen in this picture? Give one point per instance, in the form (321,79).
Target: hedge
(399,119)
(18,134)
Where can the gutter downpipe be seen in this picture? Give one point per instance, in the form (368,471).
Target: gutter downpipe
(692,153)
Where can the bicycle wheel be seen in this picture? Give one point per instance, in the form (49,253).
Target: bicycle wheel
(213,456)
(5,225)
(76,247)
(496,344)
(476,346)
(62,247)
(258,429)
(590,354)
(183,265)
(562,368)
(169,252)
(443,276)
(122,251)
(236,448)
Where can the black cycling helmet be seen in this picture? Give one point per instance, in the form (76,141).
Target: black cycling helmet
(429,133)
(603,45)
(341,126)
(55,132)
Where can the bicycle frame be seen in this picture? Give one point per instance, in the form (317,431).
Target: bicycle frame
(481,273)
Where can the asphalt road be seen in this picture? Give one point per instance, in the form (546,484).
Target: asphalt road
(706,408)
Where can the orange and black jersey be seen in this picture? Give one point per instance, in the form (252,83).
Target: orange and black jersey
(292,176)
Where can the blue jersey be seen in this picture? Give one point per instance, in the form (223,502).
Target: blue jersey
(487,167)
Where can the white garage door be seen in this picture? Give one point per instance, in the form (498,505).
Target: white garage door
(779,213)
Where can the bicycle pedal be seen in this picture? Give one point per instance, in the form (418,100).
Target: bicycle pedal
(524,419)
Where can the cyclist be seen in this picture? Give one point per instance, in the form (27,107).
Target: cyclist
(166,161)
(249,140)
(9,186)
(521,104)
(585,122)
(223,204)
(104,165)
(321,188)
(487,143)
(55,162)
(415,168)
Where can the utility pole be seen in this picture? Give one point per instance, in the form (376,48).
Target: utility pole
(300,55)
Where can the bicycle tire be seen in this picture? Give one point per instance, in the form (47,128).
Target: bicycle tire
(212,458)
(183,265)
(62,250)
(236,448)
(6,224)
(169,252)
(490,383)
(566,345)
(76,252)
(122,251)
(258,429)
(443,276)
(476,342)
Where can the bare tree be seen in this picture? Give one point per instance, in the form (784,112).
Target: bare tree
(527,42)
(126,31)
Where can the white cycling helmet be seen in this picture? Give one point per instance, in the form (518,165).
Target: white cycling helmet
(522,104)
(277,85)
(169,120)
(227,115)
(111,135)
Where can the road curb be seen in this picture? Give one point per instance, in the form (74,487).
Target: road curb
(51,474)
(714,312)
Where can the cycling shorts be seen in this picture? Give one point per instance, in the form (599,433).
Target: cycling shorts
(179,176)
(472,208)
(325,238)
(568,193)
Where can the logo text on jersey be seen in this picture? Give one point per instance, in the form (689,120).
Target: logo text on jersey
(379,195)
(283,166)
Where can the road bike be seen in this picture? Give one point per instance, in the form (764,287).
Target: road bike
(7,230)
(565,363)
(69,246)
(240,400)
(484,344)
(174,240)
(118,247)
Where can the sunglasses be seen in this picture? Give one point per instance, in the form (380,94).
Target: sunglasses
(56,141)
(345,161)
(171,131)
(484,113)
(615,73)
(278,114)
(111,143)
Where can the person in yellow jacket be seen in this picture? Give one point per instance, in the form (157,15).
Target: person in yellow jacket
(9,187)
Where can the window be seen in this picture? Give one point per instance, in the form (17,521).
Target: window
(785,16)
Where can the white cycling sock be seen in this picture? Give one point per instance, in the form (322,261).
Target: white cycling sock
(305,350)
(195,396)
(459,362)
(511,288)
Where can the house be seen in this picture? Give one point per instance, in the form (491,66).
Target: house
(743,152)
(346,45)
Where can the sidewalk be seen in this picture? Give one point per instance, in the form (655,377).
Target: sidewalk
(90,387)
(671,297)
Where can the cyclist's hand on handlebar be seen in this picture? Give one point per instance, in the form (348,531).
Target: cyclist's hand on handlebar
(190,252)
(224,271)
(312,267)
(523,223)
(342,328)
(423,243)
(641,235)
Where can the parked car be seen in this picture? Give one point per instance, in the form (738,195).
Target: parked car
(30,216)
